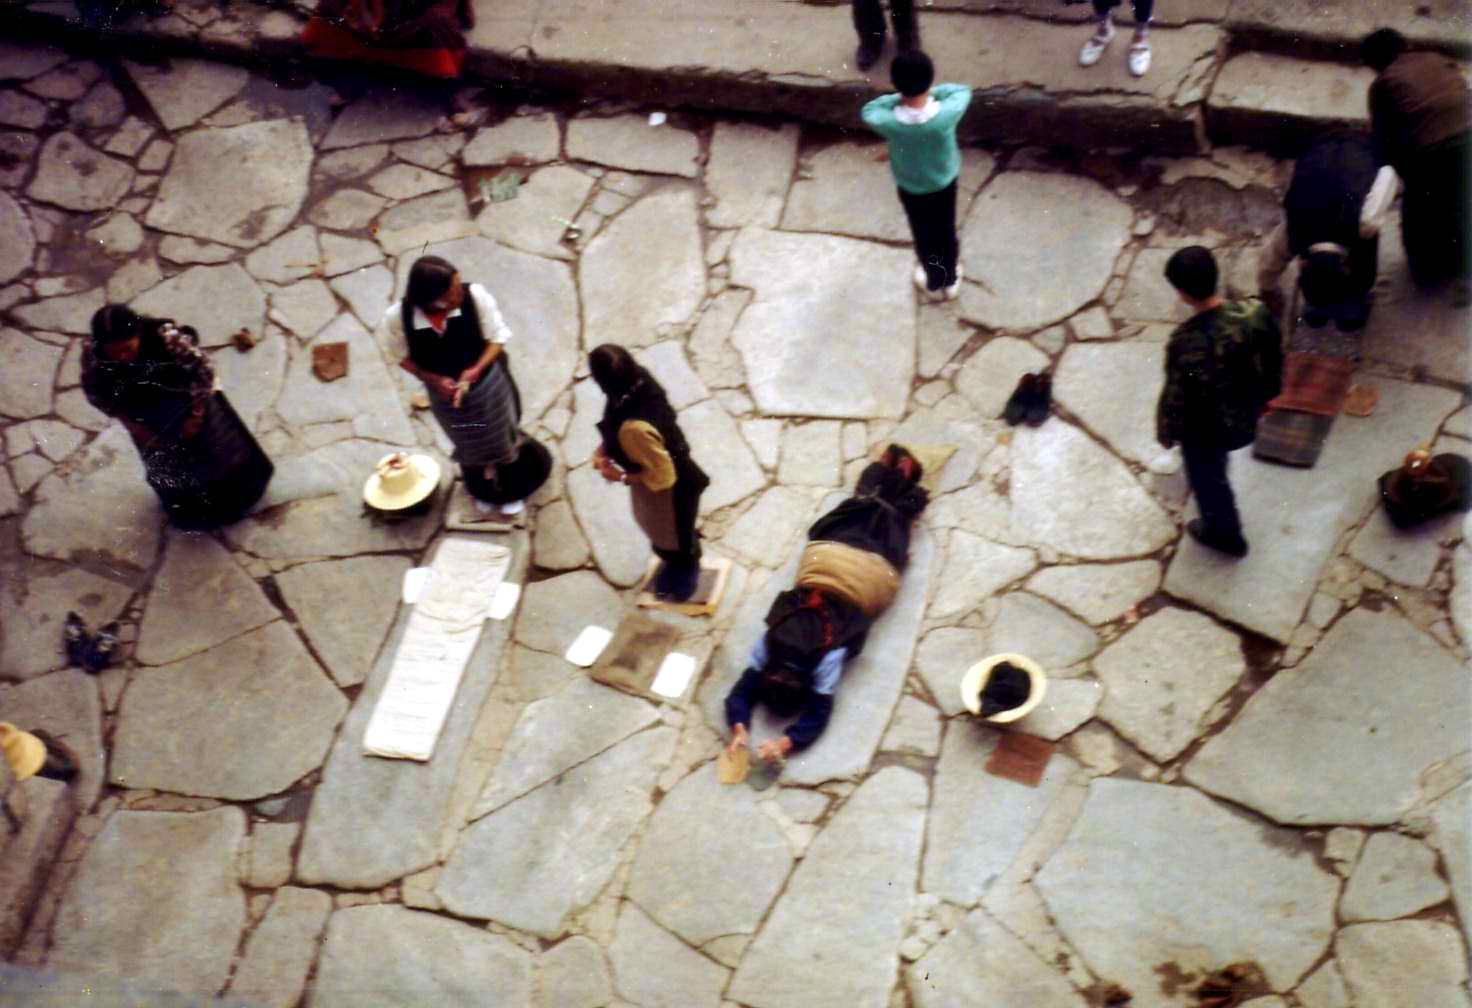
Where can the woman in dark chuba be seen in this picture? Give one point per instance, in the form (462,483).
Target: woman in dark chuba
(150,375)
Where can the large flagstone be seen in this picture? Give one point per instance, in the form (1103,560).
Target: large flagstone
(1451,834)
(74,176)
(717,446)
(390,955)
(32,610)
(643,276)
(27,373)
(1088,385)
(345,608)
(1294,517)
(841,179)
(199,726)
(200,597)
(690,836)
(657,970)
(1358,740)
(823,298)
(217,300)
(273,967)
(1026,225)
(531,863)
(619,545)
(183,91)
(157,897)
(17,239)
(748,173)
(535,221)
(983,965)
(368,396)
(374,820)
(1072,495)
(1413,962)
(832,941)
(631,142)
(1156,880)
(239,186)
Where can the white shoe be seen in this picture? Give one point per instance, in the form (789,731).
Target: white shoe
(922,282)
(483,508)
(1093,49)
(514,508)
(1139,60)
(954,290)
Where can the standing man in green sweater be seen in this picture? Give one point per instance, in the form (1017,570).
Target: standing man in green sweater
(920,124)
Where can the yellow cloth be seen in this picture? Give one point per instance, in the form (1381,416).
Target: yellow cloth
(857,576)
(643,445)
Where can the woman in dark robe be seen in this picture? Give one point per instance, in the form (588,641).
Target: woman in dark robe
(199,457)
(425,36)
(643,447)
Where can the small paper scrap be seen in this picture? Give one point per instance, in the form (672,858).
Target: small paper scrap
(503,602)
(673,675)
(732,769)
(589,645)
(415,581)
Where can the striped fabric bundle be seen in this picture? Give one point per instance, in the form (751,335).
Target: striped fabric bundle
(484,427)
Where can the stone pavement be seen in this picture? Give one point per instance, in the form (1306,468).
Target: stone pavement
(1224,71)
(1262,762)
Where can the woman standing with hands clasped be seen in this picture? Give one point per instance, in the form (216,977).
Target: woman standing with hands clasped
(642,446)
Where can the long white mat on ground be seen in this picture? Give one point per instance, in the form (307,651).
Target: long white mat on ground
(441,634)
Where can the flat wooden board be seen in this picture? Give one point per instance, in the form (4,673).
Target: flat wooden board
(461,514)
(1020,758)
(714,572)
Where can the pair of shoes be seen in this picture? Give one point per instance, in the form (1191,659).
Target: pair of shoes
(676,583)
(921,279)
(92,652)
(1031,401)
(1234,546)
(1093,49)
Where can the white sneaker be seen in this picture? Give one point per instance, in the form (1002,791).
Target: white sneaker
(514,508)
(1139,58)
(954,290)
(1093,49)
(922,282)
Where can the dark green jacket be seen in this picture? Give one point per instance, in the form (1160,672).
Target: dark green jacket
(1221,368)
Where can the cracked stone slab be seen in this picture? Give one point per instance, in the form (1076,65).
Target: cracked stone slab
(320,593)
(347,210)
(841,178)
(1147,295)
(1260,96)
(17,239)
(1406,557)
(857,879)
(558,541)
(558,733)
(239,186)
(384,114)
(942,659)
(100,506)
(644,275)
(1152,697)
(1403,963)
(252,380)
(1015,233)
(811,454)
(975,569)
(531,863)
(572,974)
(769,531)
(619,545)
(690,836)
(554,611)
(535,220)
(1409,329)
(303,308)
(530,139)
(70,314)
(1360,743)
(666,361)
(262,99)
(292,256)
(981,963)
(375,820)
(200,597)
(657,970)
(217,300)
(749,171)
(67,704)
(1026,624)
(368,396)
(539,301)
(1394,877)
(1125,422)
(631,143)
(273,970)
(714,437)
(29,60)
(156,898)
(915,728)
(980,823)
(1100,593)
(1114,520)
(799,316)
(27,372)
(989,376)
(1068,704)
(1294,517)
(224,701)
(1140,881)
(1451,833)
(186,90)
(402,181)
(411,957)
(71,174)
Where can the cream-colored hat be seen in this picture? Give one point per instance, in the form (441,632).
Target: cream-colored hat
(978,675)
(401,480)
(23,751)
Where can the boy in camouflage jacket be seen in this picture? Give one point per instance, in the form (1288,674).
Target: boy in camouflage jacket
(1221,368)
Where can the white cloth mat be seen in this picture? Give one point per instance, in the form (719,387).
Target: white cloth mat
(590,644)
(442,632)
(673,675)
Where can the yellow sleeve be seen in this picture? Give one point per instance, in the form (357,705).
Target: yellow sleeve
(642,443)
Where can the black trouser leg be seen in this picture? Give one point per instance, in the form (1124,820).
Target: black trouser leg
(1144,9)
(906,31)
(932,219)
(869,23)
(1206,471)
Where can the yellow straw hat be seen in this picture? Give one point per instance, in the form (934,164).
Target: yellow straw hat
(401,480)
(978,675)
(23,751)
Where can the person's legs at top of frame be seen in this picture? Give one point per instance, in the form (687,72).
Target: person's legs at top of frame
(1138,57)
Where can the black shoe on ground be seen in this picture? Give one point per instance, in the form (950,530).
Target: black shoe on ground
(867,54)
(99,655)
(75,637)
(1042,400)
(61,761)
(679,584)
(1021,400)
(1232,546)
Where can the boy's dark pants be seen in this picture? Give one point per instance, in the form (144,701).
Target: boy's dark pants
(869,23)
(1143,8)
(933,224)
(1206,471)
